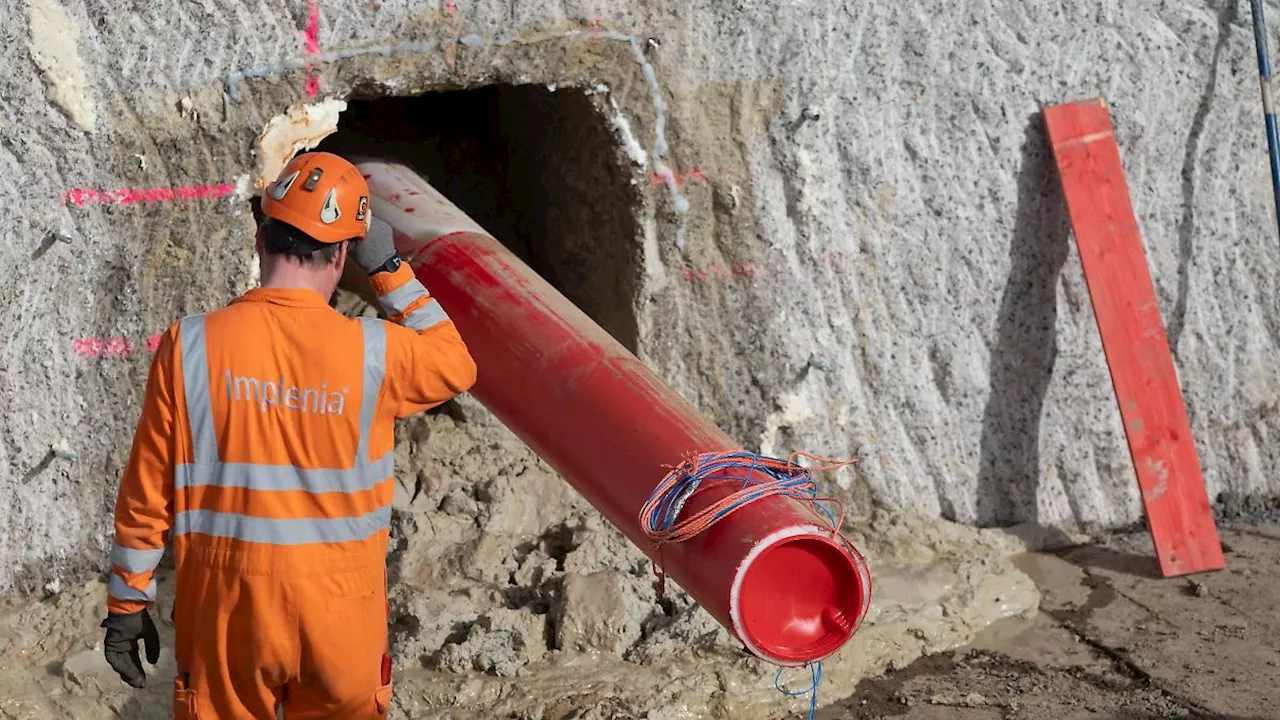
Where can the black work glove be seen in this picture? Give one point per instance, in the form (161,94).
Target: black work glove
(121,645)
(376,248)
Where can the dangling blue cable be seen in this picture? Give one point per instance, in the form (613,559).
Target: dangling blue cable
(815,675)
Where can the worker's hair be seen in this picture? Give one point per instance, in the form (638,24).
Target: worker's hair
(279,238)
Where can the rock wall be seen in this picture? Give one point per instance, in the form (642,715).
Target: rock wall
(847,237)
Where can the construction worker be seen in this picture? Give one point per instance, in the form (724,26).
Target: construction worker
(264,451)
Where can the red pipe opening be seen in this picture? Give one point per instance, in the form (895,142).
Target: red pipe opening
(791,626)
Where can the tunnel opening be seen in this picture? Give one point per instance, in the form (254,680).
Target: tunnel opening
(539,169)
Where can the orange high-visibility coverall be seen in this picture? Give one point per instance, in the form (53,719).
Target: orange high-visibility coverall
(265,450)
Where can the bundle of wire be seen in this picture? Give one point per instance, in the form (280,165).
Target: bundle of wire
(754,477)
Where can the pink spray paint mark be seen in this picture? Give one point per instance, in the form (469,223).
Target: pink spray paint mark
(450,46)
(681,179)
(312,36)
(656,180)
(103,347)
(129,196)
(114,347)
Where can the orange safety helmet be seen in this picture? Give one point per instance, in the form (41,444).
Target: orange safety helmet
(322,195)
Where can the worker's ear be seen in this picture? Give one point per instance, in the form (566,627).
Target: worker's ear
(340,257)
(354,279)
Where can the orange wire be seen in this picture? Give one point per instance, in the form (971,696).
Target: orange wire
(686,528)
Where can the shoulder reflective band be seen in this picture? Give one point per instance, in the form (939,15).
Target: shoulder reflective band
(375,363)
(195,381)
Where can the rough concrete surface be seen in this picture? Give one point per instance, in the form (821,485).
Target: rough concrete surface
(832,226)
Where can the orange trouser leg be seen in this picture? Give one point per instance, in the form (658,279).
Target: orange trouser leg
(236,644)
(342,621)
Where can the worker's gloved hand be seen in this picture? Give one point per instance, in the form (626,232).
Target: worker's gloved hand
(121,645)
(377,247)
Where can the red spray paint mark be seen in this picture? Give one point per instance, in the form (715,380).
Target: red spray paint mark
(451,42)
(115,347)
(681,179)
(96,346)
(312,36)
(129,196)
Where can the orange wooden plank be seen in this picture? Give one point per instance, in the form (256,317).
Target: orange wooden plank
(1133,338)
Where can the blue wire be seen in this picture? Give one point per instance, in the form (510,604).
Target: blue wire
(797,485)
(815,676)
(665,511)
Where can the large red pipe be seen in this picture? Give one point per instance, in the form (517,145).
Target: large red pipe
(771,572)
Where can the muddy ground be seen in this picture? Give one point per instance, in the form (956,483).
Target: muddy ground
(1110,640)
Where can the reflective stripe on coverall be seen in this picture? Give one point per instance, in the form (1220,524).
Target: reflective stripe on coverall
(265,449)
